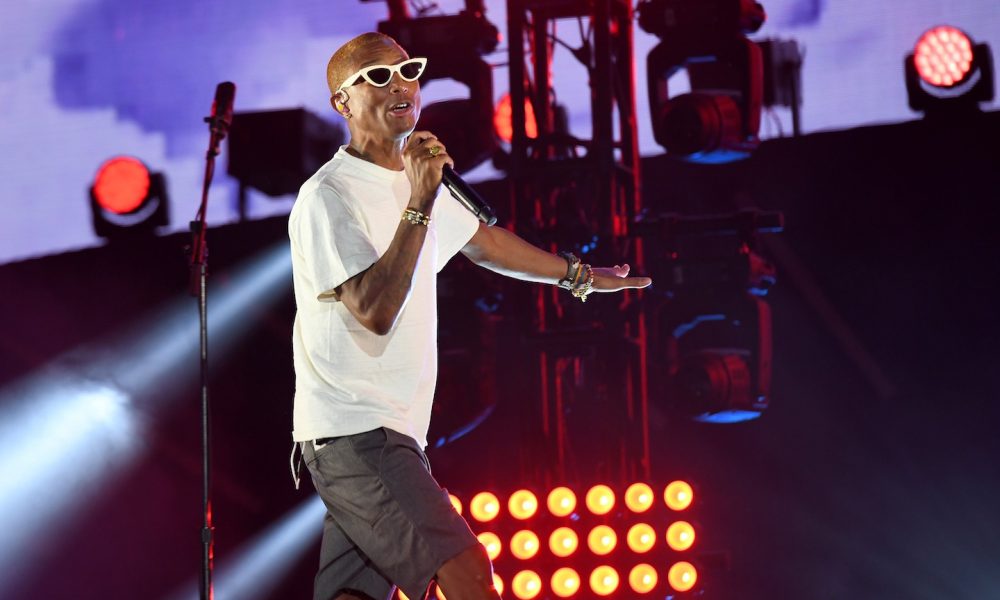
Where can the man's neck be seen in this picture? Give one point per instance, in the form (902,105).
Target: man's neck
(386,155)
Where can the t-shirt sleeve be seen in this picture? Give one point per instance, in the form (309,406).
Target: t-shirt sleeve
(334,243)
(455,226)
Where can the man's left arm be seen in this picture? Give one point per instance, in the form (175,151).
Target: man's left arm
(503,252)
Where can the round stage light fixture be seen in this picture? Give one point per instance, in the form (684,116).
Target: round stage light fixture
(682,576)
(484,507)
(561,502)
(127,198)
(678,495)
(526,585)
(522,505)
(498,584)
(492,543)
(943,56)
(121,185)
(563,542)
(680,535)
(455,502)
(600,499)
(639,497)
(565,582)
(948,73)
(602,540)
(524,544)
(604,580)
(643,578)
(641,538)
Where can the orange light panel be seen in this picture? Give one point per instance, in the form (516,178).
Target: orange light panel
(641,538)
(565,582)
(604,580)
(484,507)
(402,596)
(600,499)
(680,535)
(456,503)
(498,584)
(522,504)
(526,585)
(561,502)
(943,56)
(682,576)
(643,578)
(678,495)
(602,540)
(121,185)
(492,543)
(524,544)
(503,115)
(639,497)
(440,594)
(563,542)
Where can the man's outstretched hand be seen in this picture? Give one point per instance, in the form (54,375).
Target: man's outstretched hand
(613,279)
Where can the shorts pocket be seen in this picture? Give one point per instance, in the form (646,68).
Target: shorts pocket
(369,447)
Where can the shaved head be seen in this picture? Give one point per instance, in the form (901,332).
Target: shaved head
(347,58)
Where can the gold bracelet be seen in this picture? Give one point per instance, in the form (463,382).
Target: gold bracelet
(582,291)
(415,216)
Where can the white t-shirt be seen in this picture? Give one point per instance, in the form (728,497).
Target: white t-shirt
(347,379)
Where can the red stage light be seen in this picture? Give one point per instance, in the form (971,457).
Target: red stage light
(502,119)
(565,582)
(491,542)
(524,544)
(682,576)
(943,56)
(484,507)
(526,585)
(121,185)
(561,501)
(600,499)
(641,538)
(639,497)
(563,542)
(604,580)
(643,578)
(456,503)
(602,540)
(678,495)
(680,535)
(522,504)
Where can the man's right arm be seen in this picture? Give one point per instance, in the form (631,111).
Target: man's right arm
(376,295)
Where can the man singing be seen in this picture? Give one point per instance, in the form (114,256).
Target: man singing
(369,233)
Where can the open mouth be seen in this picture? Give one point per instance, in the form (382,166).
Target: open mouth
(401,108)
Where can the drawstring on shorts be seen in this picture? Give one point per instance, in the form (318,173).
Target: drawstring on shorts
(296,462)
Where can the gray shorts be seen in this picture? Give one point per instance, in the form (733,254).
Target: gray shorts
(387,522)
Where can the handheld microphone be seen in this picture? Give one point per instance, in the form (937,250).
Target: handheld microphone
(469,198)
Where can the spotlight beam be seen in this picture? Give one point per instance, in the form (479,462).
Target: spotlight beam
(255,570)
(93,403)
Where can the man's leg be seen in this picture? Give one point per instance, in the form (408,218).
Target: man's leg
(468,576)
(344,573)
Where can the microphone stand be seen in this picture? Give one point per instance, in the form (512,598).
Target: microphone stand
(197,287)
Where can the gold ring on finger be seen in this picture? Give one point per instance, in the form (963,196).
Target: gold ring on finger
(435,150)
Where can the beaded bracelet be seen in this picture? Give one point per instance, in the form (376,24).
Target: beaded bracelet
(587,287)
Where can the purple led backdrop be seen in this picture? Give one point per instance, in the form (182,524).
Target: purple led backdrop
(82,80)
